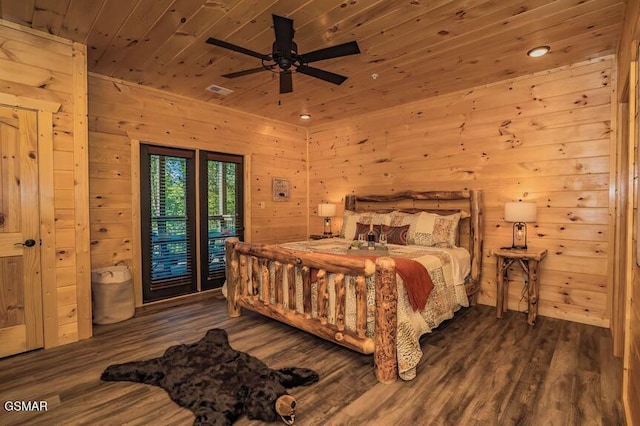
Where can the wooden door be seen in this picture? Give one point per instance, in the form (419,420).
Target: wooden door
(21,327)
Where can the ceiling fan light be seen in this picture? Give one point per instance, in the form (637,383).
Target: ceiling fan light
(536,52)
(305,116)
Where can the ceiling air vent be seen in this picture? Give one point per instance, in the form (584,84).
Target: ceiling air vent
(219,90)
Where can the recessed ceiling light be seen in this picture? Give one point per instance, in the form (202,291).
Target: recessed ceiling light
(305,116)
(536,52)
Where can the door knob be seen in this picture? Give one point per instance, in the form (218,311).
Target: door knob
(27,243)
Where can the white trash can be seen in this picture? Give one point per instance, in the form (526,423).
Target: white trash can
(112,294)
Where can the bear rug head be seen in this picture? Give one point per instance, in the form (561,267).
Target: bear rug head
(217,383)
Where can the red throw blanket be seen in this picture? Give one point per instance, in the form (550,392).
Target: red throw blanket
(416,279)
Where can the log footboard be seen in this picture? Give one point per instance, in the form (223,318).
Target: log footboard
(252,285)
(292,286)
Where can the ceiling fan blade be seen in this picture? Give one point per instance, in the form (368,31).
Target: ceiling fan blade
(350,48)
(245,72)
(322,74)
(286,82)
(283,27)
(239,49)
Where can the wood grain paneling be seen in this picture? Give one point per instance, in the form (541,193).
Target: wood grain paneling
(543,138)
(120,113)
(627,325)
(44,73)
(81,191)
(410,50)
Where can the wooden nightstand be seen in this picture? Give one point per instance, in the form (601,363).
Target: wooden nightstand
(528,260)
(320,236)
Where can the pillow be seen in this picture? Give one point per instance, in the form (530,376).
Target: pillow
(363,228)
(432,230)
(349,220)
(375,218)
(401,219)
(396,234)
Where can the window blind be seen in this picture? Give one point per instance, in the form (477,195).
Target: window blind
(221,206)
(168,223)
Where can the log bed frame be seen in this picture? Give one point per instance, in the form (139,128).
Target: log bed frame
(247,266)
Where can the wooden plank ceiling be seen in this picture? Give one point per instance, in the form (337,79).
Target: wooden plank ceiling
(411,49)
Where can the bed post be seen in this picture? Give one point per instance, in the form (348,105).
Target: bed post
(386,321)
(350,202)
(233,277)
(476,240)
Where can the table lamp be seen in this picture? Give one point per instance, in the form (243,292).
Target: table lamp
(327,211)
(520,213)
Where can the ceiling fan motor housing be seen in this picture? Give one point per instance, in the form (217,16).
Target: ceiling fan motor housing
(285,61)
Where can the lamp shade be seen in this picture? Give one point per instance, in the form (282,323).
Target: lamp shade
(520,211)
(326,210)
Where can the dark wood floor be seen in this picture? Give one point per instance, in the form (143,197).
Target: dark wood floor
(477,370)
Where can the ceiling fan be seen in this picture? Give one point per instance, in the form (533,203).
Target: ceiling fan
(284,57)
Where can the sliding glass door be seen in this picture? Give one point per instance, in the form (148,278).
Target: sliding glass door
(220,212)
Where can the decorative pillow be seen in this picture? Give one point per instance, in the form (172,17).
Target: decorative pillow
(433,230)
(401,219)
(396,234)
(375,218)
(363,228)
(349,220)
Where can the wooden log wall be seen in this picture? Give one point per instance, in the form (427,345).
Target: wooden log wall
(544,138)
(36,70)
(120,113)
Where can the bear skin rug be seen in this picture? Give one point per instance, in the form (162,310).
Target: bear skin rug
(217,383)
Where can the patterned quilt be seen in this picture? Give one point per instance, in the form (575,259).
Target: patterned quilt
(447,296)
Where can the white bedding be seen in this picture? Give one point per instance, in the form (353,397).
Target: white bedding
(460,258)
(448,268)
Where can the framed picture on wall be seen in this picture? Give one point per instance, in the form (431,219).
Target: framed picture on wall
(281,189)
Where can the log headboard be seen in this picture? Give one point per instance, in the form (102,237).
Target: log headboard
(468,202)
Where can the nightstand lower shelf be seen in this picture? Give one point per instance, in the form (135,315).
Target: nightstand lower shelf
(529,261)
